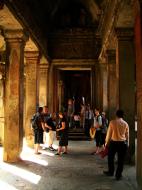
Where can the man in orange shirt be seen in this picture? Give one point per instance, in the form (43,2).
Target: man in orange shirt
(117,140)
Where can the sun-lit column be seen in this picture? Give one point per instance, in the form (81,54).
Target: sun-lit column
(43,83)
(2,74)
(125,57)
(14,83)
(31,92)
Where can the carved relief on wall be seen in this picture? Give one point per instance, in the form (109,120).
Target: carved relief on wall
(75,43)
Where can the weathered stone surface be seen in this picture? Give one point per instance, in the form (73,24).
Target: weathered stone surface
(126,64)
(13,131)
(73,43)
(138,45)
(31,91)
(112,83)
(43,83)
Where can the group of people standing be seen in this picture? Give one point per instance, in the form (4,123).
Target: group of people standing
(48,126)
(113,135)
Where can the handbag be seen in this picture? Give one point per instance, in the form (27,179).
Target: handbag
(92,132)
(104,152)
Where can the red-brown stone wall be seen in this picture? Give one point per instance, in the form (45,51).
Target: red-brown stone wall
(138,46)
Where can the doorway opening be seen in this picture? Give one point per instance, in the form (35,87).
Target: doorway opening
(77,86)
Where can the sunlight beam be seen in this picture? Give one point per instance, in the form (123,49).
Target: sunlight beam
(29,176)
(6,186)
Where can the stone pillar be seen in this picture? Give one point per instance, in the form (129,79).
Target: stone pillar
(104,87)
(126,63)
(60,94)
(93,87)
(98,91)
(112,84)
(31,92)
(2,77)
(43,84)
(13,130)
(138,45)
(50,89)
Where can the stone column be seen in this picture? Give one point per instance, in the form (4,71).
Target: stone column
(43,84)
(138,46)
(126,64)
(31,92)
(112,84)
(13,130)
(2,78)
(50,89)
(104,87)
(60,95)
(93,86)
(98,90)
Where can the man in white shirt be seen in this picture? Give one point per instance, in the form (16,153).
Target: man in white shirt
(117,140)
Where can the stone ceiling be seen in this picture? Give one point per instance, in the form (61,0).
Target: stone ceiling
(40,17)
(9,22)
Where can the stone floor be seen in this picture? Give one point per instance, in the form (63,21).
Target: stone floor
(76,171)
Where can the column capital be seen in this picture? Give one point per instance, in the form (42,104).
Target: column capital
(44,66)
(31,55)
(15,35)
(124,33)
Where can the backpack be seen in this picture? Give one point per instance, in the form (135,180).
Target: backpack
(34,124)
(104,125)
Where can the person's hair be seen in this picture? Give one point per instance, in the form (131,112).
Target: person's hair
(45,106)
(40,109)
(97,109)
(60,113)
(120,113)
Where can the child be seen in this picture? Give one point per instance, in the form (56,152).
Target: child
(76,120)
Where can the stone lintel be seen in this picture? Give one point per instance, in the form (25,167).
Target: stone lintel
(15,35)
(65,63)
(124,33)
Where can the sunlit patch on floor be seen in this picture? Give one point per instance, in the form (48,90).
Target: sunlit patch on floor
(29,176)
(6,186)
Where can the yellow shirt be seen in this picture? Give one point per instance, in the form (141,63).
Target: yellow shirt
(118,130)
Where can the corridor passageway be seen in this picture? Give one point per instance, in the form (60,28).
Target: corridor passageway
(78,170)
(60,50)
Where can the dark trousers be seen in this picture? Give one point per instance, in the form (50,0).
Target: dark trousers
(119,147)
(88,123)
(98,138)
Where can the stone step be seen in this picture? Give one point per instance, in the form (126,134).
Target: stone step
(77,134)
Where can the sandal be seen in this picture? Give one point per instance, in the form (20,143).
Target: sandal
(37,152)
(65,153)
(57,153)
